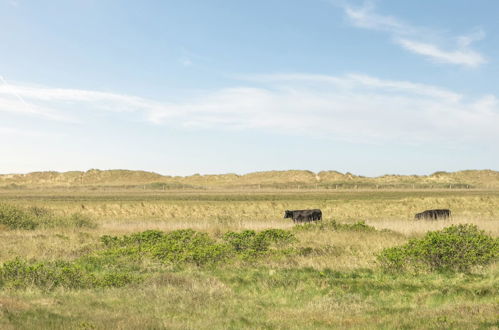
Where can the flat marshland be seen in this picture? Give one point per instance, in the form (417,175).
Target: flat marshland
(227,259)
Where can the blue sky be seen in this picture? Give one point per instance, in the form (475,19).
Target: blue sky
(183,87)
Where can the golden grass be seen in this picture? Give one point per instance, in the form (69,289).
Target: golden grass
(125,213)
(413,227)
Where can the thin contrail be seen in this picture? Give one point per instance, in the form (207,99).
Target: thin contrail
(14,92)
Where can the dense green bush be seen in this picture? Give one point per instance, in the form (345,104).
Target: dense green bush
(250,243)
(455,248)
(16,218)
(179,246)
(148,237)
(245,240)
(189,246)
(278,236)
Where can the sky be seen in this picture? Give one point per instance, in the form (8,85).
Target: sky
(224,86)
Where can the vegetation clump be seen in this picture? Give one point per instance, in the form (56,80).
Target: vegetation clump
(179,246)
(30,218)
(192,247)
(336,226)
(14,217)
(455,248)
(249,243)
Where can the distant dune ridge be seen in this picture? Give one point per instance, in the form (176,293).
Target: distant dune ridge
(292,179)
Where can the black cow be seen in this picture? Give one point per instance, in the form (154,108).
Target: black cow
(433,214)
(303,215)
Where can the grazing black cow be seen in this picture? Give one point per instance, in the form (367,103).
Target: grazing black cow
(303,215)
(433,214)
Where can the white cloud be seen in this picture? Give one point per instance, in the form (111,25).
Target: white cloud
(418,40)
(354,107)
(351,80)
(463,56)
(365,17)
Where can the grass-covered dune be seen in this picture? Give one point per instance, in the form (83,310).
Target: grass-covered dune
(293,179)
(215,260)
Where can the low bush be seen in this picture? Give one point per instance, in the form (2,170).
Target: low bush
(249,243)
(278,236)
(455,248)
(14,217)
(180,246)
(335,226)
(189,246)
(124,259)
(246,240)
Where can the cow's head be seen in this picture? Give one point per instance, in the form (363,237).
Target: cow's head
(288,214)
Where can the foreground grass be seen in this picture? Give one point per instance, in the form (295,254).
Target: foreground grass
(327,278)
(264,297)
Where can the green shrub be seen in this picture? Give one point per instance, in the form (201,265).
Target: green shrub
(189,246)
(335,226)
(14,217)
(245,240)
(248,243)
(278,236)
(455,248)
(358,226)
(179,246)
(115,280)
(148,237)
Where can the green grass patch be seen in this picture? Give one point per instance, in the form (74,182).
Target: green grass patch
(21,274)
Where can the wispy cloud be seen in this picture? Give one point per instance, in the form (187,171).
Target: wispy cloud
(353,107)
(6,132)
(463,56)
(12,101)
(185,61)
(419,40)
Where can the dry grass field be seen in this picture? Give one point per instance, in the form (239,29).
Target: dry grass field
(325,277)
